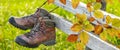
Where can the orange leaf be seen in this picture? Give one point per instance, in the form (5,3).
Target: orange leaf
(76,27)
(89,4)
(98,29)
(91,19)
(90,9)
(63,1)
(50,1)
(106,26)
(75,3)
(72,38)
(98,0)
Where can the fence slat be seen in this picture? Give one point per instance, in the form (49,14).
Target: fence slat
(95,43)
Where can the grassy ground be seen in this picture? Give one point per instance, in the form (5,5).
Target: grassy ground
(21,8)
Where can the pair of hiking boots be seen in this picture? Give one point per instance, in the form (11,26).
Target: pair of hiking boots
(42,29)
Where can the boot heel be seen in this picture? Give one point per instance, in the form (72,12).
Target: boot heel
(48,43)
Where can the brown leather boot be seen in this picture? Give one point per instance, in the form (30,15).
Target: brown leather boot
(28,21)
(42,33)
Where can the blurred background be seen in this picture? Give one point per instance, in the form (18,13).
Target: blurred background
(20,8)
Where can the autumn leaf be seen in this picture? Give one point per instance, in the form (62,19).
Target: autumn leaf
(98,29)
(89,27)
(91,19)
(84,37)
(98,0)
(89,4)
(50,1)
(76,27)
(106,26)
(75,3)
(80,46)
(63,1)
(108,19)
(81,17)
(109,1)
(115,23)
(90,9)
(97,6)
(112,32)
(98,14)
(72,38)
(103,35)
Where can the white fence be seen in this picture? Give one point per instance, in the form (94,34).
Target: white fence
(95,43)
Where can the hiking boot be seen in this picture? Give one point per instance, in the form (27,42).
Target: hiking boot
(42,33)
(27,22)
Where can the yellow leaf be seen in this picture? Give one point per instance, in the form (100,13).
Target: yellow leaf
(75,3)
(103,35)
(98,29)
(108,19)
(50,1)
(115,23)
(81,17)
(109,1)
(84,37)
(97,6)
(80,46)
(89,27)
(98,14)
(63,1)
(112,32)
(76,27)
(72,38)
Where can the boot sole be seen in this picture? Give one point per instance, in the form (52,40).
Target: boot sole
(12,21)
(24,43)
(49,43)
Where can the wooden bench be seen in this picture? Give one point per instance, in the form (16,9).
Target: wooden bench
(95,43)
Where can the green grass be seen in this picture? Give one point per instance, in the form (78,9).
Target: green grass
(21,8)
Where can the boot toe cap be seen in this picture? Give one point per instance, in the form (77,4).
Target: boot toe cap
(22,42)
(13,22)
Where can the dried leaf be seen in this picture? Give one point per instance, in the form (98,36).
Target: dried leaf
(90,9)
(89,4)
(72,38)
(81,17)
(89,27)
(84,37)
(91,19)
(98,0)
(76,27)
(75,3)
(106,26)
(63,1)
(98,14)
(80,46)
(98,29)
(50,1)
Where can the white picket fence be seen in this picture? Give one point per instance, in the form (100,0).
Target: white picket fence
(95,43)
